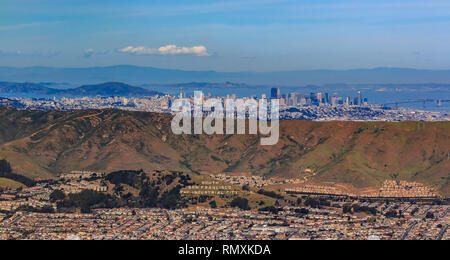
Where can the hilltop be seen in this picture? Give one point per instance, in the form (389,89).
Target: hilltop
(363,154)
(103,89)
(26,88)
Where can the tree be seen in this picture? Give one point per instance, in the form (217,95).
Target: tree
(313,203)
(270,194)
(240,203)
(88,199)
(171,199)
(57,195)
(430,215)
(347,208)
(302,211)
(118,189)
(392,214)
(7,172)
(5,167)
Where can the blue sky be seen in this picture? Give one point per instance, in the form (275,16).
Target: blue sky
(231,35)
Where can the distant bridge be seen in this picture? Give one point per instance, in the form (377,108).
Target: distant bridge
(438,102)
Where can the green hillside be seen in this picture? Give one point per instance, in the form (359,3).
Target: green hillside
(10,184)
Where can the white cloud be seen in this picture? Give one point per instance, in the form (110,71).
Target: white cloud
(166,50)
(88,53)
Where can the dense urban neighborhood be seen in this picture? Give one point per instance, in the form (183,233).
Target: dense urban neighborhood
(314,106)
(417,222)
(66,208)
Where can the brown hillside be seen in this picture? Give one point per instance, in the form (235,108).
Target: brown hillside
(42,144)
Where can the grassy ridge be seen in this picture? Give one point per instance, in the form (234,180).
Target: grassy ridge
(363,154)
(10,184)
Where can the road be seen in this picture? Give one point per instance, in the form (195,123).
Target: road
(441,235)
(405,235)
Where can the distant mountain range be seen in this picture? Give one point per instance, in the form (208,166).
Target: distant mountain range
(104,89)
(149,75)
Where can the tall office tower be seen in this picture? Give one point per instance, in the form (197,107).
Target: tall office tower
(292,99)
(202,97)
(319,98)
(303,101)
(312,97)
(275,93)
(359,99)
(327,98)
(333,101)
(347,101)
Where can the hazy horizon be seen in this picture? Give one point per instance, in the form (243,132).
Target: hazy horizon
(154,75)
(235,71)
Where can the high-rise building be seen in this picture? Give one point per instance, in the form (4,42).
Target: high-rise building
(359,99)
(333,101)
(303,101)
(275,93)
(347,101)
(292,99)
(320,98)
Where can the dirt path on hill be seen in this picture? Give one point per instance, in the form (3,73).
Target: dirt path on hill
(89,116)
